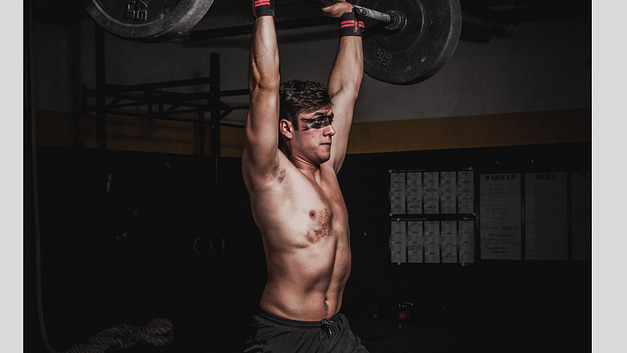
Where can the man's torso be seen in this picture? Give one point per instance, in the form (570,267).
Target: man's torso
(304,227)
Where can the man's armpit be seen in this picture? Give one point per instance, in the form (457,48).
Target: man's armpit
(278,173)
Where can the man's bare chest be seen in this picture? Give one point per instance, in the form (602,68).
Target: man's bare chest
(319,211)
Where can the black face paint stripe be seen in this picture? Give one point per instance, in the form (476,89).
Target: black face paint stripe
(318,122)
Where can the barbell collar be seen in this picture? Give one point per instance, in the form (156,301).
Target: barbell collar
(395,20)
(399,21)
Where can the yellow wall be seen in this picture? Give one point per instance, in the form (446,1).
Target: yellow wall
(564,126)
(135,134)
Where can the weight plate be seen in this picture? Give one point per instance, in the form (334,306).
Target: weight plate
(420,49)
(147,20)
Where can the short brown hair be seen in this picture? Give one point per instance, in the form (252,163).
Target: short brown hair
(302,96)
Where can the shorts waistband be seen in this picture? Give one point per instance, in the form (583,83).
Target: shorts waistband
(296,323)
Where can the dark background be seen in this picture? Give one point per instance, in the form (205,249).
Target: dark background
(127,256)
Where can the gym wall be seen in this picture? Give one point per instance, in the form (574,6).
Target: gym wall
(522,86)
(507,129)
(541,66)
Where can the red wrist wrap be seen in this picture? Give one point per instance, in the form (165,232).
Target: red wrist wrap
(263,8)
(350,25)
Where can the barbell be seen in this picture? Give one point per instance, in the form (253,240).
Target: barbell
(405,42)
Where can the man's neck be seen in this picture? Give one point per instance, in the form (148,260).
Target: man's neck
(309,169)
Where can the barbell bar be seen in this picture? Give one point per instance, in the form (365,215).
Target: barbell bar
(394,19)
(405,42)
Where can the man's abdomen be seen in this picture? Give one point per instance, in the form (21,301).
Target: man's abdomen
(307,284)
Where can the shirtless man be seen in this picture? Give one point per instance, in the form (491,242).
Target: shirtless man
(295,197)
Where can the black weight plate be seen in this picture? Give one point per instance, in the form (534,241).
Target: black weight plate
(419,50)
(147,20)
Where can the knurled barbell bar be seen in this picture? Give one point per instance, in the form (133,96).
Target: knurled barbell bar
(393,19)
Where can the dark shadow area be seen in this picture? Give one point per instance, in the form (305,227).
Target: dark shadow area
(129,237)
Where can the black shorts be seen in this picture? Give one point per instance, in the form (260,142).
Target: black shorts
(271,333)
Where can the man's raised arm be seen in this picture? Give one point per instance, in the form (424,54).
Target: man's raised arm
(261,132)
(345,78)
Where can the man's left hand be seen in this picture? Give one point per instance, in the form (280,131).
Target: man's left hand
(338,9)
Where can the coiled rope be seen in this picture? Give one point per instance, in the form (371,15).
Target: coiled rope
(157,332)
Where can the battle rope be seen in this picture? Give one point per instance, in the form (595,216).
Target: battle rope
(157,332)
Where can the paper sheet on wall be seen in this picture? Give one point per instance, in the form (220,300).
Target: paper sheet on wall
(546,216)
(431,190)
(398,242)
(432,241)
(397,192)
(465,192)
(448,192)
(500,221)
(415,242)
(414,193)
(466,236)
(449,241)
(581,210)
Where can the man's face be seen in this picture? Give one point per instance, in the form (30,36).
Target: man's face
(314,134)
